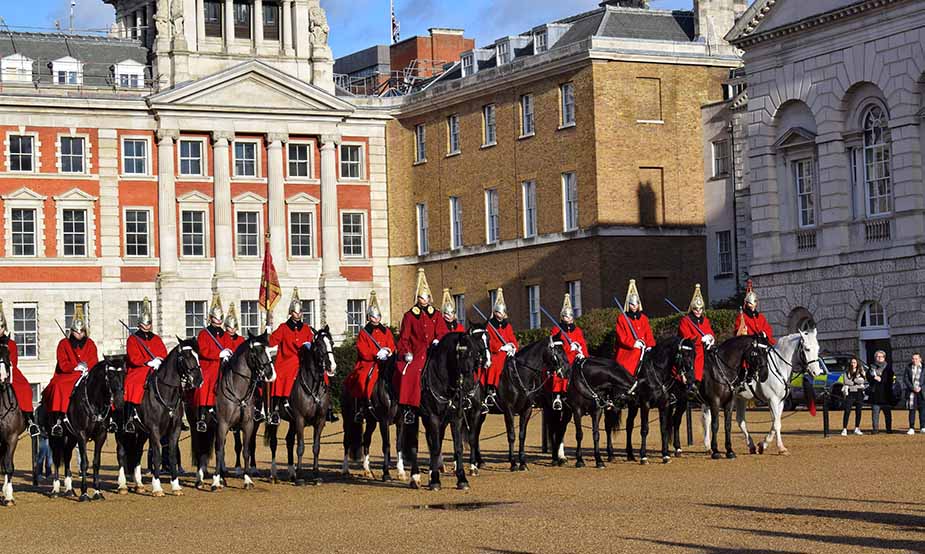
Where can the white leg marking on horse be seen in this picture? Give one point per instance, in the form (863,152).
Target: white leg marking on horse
(201,474)
(247,481)
(416,478)
(68,484)
(138,476)
(216,481)
(345,467)
(707,420)
(561,451)
(175,485)
(7,489)
(366,462)
(122,483)
(56,486)
(156,485)
(400,467)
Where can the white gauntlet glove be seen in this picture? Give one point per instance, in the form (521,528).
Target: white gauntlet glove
(509,349)
(640,344)
(225,354)
(383,354)
(708,340)
(82,367)
(155,363)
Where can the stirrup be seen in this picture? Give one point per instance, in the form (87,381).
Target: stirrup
(130,426)
(259,416)
(274,418)
(557,404)
(202,426)
(34,430)
(409,416)
(57,430)
(111,427)
(490,399)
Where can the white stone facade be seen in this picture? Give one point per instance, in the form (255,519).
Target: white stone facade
(835,144)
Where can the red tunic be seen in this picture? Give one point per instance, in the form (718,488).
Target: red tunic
(57,395)
(624,352)
(417,332)
(136,359)
(498,356)
(444,328)
(365,374)
(556,384)
(688,329)
(231,342)
(289,337)
(210,362)
(756,324)
(21,387)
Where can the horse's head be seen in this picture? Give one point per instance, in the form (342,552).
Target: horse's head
(6,370)
(554,356)
(257,356)
(756,353)
(187,364)
(115,379)
(479,334)
(809,349)
(684,359)
(470,356)
(320,353)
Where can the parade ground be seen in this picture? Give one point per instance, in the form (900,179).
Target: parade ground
(841,494)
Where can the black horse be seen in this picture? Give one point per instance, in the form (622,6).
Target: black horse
(521,386)
(88,418)
(308,405)
(718,389)
(160,415)
(596,386)
(663,378)
(473,414)
(448,383)
(238,379)
(12,424)
(380,411)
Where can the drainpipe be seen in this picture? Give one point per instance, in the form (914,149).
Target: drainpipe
(735,223)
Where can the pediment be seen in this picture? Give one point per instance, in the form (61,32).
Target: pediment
(194,197)
(75,195)
(24,194)
(251,86)
(302,198)
(249,198)
(796,136)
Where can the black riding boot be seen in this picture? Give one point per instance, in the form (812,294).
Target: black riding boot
(275,404)
(331,417)
(491,396)
(259,413)
(34,430)
(409,415)
(57,430)
(201,425)
(557,403)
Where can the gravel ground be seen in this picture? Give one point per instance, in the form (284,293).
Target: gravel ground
(854,494)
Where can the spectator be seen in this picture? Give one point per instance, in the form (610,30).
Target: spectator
(880,376)
(43,463)
(853,390)
(914,390)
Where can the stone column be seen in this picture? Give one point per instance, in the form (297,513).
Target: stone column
(276,208)
(287,27)
(258,23)
(228,21)
(167,200)
(223,227)
(200,24)
(330,229)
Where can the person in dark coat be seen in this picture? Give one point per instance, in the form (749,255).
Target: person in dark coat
(913,381)
(880,376)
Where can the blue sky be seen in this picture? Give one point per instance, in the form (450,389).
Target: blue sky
(355,24)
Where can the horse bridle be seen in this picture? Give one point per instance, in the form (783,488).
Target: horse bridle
(99,417)
(315,392)
(550,349)
(259,373)
(184,370)
(804,363)
(462,355)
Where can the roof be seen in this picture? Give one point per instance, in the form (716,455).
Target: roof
(97,53)
(676,26)
(374,56)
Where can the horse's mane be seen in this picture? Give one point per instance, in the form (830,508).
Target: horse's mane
(663,353)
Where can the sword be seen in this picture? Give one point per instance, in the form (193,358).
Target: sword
(670,303)
(370,335)
(556,323)
(143,345)
(71,346)
(490,326)
(626,318)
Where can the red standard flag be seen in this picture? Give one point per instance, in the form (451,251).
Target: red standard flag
(269,280)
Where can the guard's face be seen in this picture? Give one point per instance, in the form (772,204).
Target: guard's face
(568,319)
(450,318)
(145,327)
(374,320)
(231,330)
(634,307)
(295,316)
(499,315)
(78,335)
(751,306)
(423,301)
(698,312)
(215,321)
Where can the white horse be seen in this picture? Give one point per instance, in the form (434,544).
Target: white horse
(796,352)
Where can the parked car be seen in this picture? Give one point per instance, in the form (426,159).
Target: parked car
(834,366)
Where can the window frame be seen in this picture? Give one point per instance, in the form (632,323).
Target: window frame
(243,31)
(213,29)
(527,115)
(310,212)
(724,257)
(149,243)
(360,163)
(63,233)
(202,157)
(22,343)
(204,210)
(721,146)
(456,223)
(420,143)
(569,215)
(503,53)
(248,210)
(567,110)
(573,287)
(309,162)
(533,307)
(257,157)
(186,315)
(146,160)
(883,149)
(423,228)
(364,235)
(35,231)
(244,328)
(355,318)
(33,156)
(452,134)
(275,34)
(467,62)
(460,301)
(540,46)
(84,154)
(489,125)
(799,179)
(528,192)
(492,216)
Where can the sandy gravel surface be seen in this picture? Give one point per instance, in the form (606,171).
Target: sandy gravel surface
(854,494)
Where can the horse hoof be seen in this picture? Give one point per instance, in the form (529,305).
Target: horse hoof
(666,459)
(69,494)
(84,498)
(513,467)
(784,452)
(434,486)
(730,455)
(580,463)
(215,488)
(98,496)
(522,467)
(158,494)
(368,474)
(123,491)
(752,449)
(599,465)
(299,482)
(316,481)
(474,471)
(716,456)
(177,493)
(643,461)
(761,448)
(414,485)
(248,486)
(611,458)
(9,503)
(677,453)
(462,486)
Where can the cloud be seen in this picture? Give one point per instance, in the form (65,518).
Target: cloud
(88,14)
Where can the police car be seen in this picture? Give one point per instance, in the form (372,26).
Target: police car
(834,366)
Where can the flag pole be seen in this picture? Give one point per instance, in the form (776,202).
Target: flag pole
(266,291)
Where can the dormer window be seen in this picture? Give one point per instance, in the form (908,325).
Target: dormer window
(503,53)
(468,65)
(67,71)
(129,74)
(16,68)
(540,42)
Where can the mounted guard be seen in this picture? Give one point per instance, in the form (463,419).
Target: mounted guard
(76,355)
(289,337)
(450,323)
(21,388)
(576,350)
(214,351)
(418,332)
(144,352)
(696,327)
(502,344)
(633,332)
(375,345)
(751,322)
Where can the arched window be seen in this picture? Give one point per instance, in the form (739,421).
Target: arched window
(873,331)
(872,316)
(877,179)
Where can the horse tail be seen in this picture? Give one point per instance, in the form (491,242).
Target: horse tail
(353,429)
(266,435)
(613,419)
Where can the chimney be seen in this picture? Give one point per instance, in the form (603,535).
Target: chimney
(639,4)
(714,18)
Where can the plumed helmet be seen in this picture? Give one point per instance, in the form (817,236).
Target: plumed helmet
(231,320)
(632,296)
(500,307)
(697,302)
(423,289)
(567,310)
(4,330)
(448,306)
(372,306)
(750,296)
(147,316)
(295,305)
(216,312)
(78,321)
